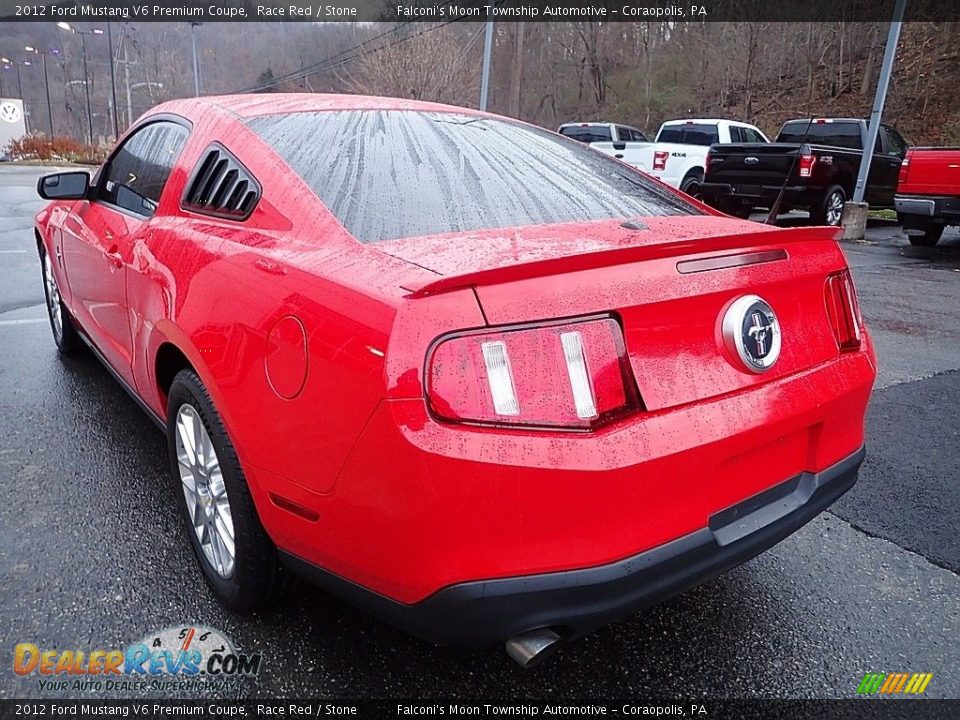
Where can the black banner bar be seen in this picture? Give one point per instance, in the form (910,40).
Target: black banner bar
(473,10)
(854,709)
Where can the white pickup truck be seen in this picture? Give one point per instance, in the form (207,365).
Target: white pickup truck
(679,153)
(622,141)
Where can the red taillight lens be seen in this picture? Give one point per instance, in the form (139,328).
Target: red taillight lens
(571,375)
(843,309)
(904,171)
(806,165)
(660,160)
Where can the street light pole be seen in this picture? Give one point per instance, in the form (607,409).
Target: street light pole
(886,70)
(113,82)
(46,80)
(86,88)
(485,75)
(46,87)
(196,65)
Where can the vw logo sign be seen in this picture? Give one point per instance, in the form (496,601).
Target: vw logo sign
(10,112)
(751,332)
(751,160)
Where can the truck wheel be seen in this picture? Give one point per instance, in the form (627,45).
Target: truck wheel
(830,210)
(237,558)
(691,184)
(924,235)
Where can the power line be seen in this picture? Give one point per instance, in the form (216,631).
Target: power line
(344,57)
(456,66)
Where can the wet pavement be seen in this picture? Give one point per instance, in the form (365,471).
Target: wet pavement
(93,555)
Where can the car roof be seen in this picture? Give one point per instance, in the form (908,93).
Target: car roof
(251,105)
(705,121)
(596,123)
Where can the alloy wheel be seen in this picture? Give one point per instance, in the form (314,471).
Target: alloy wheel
(835,208)
(53,298)
(208,505)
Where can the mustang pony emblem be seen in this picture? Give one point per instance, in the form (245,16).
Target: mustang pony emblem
(751,332)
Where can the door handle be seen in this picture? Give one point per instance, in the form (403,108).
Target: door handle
(114,256)
(619,156)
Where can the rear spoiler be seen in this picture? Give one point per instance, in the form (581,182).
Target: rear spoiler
(620,256)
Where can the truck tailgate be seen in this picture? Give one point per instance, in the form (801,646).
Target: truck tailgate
(756,164)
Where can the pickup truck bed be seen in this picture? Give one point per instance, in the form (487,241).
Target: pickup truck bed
(928,195)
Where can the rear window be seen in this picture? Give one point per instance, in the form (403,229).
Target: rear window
(393,174)
(589,134)
(835,134)
(689,134)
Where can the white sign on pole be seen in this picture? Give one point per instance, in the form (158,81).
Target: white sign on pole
(12,123)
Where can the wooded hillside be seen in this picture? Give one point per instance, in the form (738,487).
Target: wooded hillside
(546,73)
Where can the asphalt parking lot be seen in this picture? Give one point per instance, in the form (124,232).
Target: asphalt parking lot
(92,553)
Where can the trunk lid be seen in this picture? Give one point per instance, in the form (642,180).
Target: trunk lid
(668,284)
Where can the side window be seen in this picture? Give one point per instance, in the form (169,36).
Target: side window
(736,135)
(895,144)
(137,172)
(752,136)
(624,134)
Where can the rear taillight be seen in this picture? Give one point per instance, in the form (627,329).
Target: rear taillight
(843,309)
(806,165)
(565,375)
(904,171)
(660,160)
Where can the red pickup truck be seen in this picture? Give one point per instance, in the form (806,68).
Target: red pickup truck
(928,193)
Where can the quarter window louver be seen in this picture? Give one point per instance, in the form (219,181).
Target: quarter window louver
(221,186)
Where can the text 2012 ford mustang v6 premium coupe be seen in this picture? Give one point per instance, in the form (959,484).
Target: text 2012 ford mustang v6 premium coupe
(480,379)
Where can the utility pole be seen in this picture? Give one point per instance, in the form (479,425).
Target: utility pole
(196,65)
(886,70)
(485,76)
(113,83)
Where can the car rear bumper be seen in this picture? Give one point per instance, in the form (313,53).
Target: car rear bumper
(727,194)
(929,206)
(574,602)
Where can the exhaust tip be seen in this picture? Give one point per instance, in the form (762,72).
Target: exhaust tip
(532,647)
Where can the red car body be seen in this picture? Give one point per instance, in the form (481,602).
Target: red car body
(928,193)
(346,376)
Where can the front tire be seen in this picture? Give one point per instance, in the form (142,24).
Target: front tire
(830,210)
(61,323)
(237,557)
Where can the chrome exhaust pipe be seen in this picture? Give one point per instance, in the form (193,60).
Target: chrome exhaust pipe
(533,647)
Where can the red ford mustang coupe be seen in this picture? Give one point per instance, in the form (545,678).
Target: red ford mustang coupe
(480,379)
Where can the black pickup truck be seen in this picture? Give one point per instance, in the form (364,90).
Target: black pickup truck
(815,164)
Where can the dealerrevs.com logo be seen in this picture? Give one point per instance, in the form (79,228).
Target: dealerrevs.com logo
(190,653)
(895,683)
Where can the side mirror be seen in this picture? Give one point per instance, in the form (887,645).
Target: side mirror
(619,146)
(64,186)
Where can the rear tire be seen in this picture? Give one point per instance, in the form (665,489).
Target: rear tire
(830,209)
(61,322)
(215,501)
(929,234)
(691,184)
